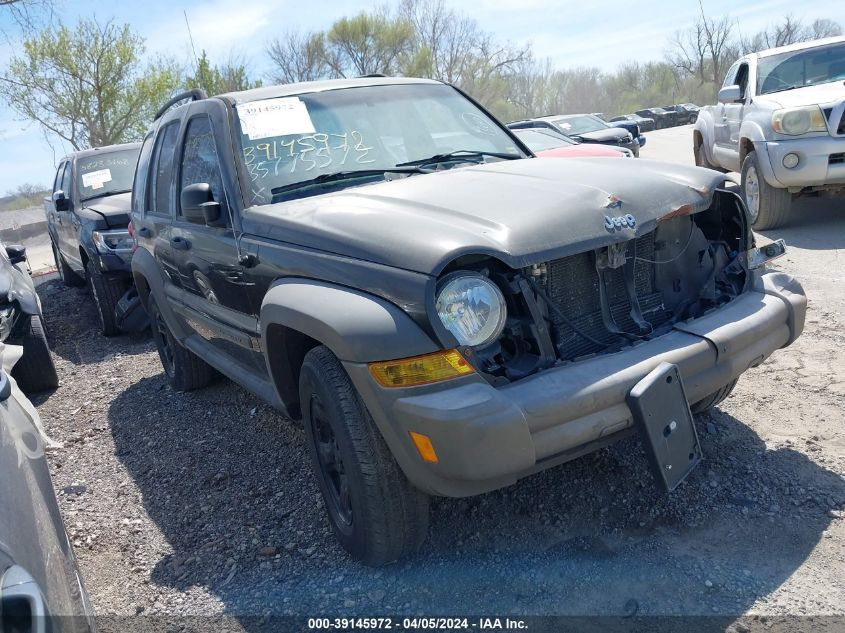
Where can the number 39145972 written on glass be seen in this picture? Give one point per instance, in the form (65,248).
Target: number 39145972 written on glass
(306,153)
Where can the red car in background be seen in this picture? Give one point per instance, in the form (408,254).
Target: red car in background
(546,143)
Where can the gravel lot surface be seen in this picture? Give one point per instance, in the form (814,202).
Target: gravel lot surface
(204,503)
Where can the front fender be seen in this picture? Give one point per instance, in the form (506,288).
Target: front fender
(753,131)
(704,126)
(354,325)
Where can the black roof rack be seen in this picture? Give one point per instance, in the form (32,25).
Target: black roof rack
(196,94)
(372,75)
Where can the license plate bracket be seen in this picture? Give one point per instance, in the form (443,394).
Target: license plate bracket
(661,411)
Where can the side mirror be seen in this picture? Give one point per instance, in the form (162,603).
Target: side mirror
(16,253)
(730,94)
(60,201)
(199,206)
(641,139)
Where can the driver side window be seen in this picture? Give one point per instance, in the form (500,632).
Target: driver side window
(729,77)
(199,159)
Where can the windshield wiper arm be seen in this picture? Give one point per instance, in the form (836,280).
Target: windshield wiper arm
(458,154)
(105,193)
(346,175)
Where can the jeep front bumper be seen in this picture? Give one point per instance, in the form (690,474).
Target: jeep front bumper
(487,437)
(821,162)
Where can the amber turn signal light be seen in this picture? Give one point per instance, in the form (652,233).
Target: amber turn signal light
(421,370)
(424,447)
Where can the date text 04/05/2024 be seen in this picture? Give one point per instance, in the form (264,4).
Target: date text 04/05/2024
(416,623)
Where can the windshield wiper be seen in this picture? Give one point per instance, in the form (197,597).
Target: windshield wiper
(458,154)
(105,193)
(347,175)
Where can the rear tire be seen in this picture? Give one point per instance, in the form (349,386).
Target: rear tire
(713,399)
(768,207)
(66,274)
(35,370)
(375,512)
(106,292)
(185,371)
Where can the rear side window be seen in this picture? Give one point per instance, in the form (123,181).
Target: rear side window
(199,158)
(162,169)
(139,186)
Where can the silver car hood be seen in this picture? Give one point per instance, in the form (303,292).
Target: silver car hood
(521,212)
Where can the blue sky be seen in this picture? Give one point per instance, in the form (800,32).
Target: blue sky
(570,33)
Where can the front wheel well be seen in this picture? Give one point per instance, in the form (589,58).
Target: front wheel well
(286,349)
(746,146)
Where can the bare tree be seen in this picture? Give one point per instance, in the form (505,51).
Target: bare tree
(703,50)
(790,30)
(823,27)
(26,13)
(299,57)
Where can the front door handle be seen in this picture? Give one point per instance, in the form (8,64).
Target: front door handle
(145,232)
(180,243)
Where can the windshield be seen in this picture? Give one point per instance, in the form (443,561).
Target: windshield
(538,141)
(580,124)
(106,173)
(288,140)
(798,69)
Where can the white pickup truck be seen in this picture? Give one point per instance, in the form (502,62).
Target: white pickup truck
(780,122)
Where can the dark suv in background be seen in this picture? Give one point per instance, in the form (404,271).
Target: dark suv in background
(87,218)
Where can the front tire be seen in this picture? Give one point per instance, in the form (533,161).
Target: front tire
(185,371)
(713,399)
(768,207)
(35,370)
(66,274)
(375,512)
(106,292)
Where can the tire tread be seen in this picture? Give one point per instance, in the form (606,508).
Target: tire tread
(109,290)
(713,399)
(775,203)
(396,512)
(35,371)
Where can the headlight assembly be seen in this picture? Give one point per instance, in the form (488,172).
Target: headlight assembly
(472,308)
(115,240)
(795,121)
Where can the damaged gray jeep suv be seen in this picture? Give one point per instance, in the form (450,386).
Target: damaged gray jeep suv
(445,313)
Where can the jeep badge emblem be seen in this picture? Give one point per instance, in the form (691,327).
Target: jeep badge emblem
(619,222)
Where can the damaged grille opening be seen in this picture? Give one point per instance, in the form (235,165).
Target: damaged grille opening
(604,300)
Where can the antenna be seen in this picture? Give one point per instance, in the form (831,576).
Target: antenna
(191,39)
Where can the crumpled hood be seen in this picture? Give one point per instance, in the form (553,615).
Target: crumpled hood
(522,211)
(114,209)
(811,95)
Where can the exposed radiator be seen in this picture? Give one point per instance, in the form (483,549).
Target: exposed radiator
(572,283)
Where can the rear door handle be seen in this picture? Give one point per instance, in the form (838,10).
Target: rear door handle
(180,243)
(145,232)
